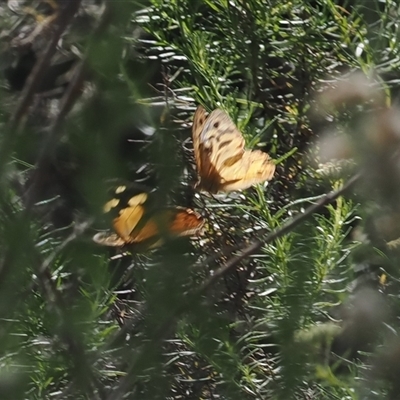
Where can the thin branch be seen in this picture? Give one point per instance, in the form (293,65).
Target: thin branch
(73,90)
(69,98)
(246,251)
(61,22)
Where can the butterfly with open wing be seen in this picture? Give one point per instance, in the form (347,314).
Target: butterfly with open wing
(222,162)
(137,223)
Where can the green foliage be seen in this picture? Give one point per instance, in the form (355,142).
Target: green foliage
(82,322)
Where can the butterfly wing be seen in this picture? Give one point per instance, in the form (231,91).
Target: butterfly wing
(126,224)
(171,221)
(185,222)
(222,161)
(199,120)
(108,239)
(129,217)
(124,227)
(217,143)
(166,222)
(137,226)
(254,167)
(223,142)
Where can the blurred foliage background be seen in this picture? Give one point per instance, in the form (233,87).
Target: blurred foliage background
(98,92)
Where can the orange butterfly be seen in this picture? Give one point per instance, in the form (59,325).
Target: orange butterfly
(222,162)
(135,225)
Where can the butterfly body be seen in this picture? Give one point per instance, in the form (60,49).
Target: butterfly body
(223,163)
